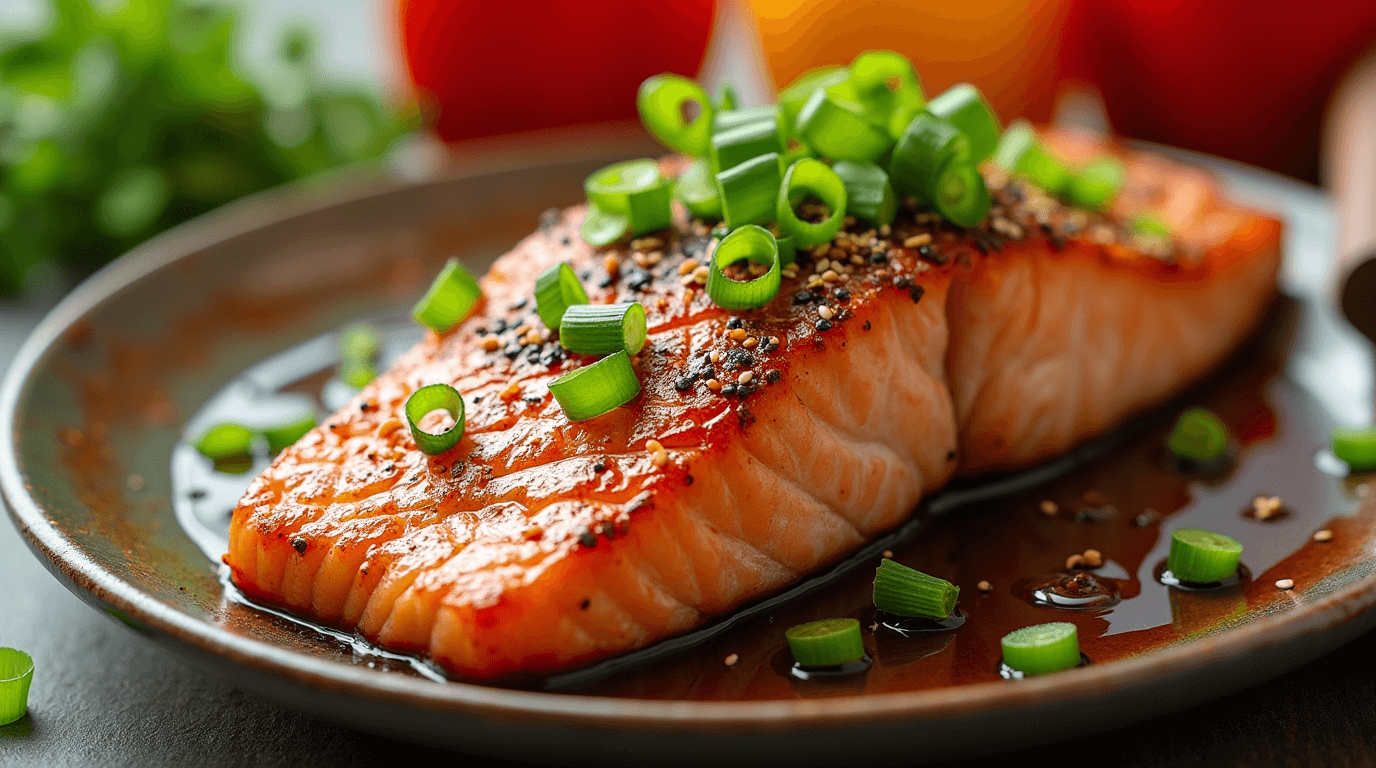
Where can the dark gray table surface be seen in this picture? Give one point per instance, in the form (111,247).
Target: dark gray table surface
(104,696)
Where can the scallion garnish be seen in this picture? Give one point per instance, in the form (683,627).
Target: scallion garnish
(932,161)
(557,289)
(225,441)
(737,117)
(595,389)
(662,102)
(1202,556)
(826,643)
(837,128)
(1042,648)
(745,141)
(601,228)
(1021,152)
(1096,184)
(750,243)
(435,397)
(1198,435)
(450,298)
(869,195)
(1150,225)
(697,189)
(16,674)
(887,86)
(793,97)
(904,591)
(283,435)
(357,373)
(601,329)
(359,341)
(965,107)
(726,98)
(633,191)
(749,191)
(788,250)
(1357,447)
(815,177)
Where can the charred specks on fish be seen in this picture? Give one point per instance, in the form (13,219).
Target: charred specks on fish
(743,415)
(599,467)
(916,292)
(299,544)
(868,326)
(930,255)
(583,606)
(773,375)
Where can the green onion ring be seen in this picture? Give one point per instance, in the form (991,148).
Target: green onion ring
(601,329)
(825,643)
(756,244)
(788,251)
(450,298)
(749,192)
(1198,435)
(961,196)
(660,102)
(869,195)
(359,341)
(697,190)
(1096,184)
(744,142)
(284,435)
(556,289)
(931,161)
(601,228)
(905,591)
(1357,447)
(838,128)
(1022,153)
(795,95)
(884,82)
(1201,556)
(596,389)
(225,441)
(815,176)
(633,189)
(966,108)
(737,117)
(1042,648)
(16,675)
(430,398)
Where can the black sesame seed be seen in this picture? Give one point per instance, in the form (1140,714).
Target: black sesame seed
(901,282)
(299,544)
(683,383)
(598,468)
(480,331)
(802,297)
(639,279)
(549,218)
(477,399)
(929,254)
(587,539)
(842,294)
(823,325)
(196,494)
(533,355)
(867,325)
(606,282)
(916,292)
(533,399)
(738,356)
(728,390)
(564,241)
(734,323)
(773,375)
(688,480)
(499,325)
(694,247)
(879,257)
(583,606)
(519,304)
(950,455)
(512,351)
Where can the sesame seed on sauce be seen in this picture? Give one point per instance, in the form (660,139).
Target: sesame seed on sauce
(1323,535)
(599,467)
(826,312)
(916,293)
(732,660)
(1284,584)
(773,375)
(842,294)
(823,325)
(1048,507)
(984,586)
(299,544)
(587,538)
(734,323)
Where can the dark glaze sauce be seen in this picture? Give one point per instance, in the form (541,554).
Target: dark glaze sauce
(1117,496)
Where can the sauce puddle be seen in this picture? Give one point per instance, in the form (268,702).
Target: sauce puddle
(1115,495)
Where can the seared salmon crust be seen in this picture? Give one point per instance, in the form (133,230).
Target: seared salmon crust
(764,444)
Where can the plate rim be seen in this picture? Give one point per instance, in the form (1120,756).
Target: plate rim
(80,573)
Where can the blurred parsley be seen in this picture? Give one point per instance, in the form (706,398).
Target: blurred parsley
(117,124)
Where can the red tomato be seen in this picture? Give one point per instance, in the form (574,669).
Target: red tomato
(494,67)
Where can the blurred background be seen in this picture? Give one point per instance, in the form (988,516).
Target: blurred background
(122,118)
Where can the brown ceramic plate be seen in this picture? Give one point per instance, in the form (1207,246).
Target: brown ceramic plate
(244,304)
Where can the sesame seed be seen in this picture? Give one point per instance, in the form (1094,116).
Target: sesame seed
(687,266)
(700,275)
(1323,535)
(790,271)
(1074,561)
(490,342)
(737,335)
(984,586)
(888,554)
(1093,558)
(745,378)
(1266,507)
(885,230)
(826,312)
(773,375)
(916,240)
(653,258)
(822,265)
(714,385)
(831,276)
(750,343)
(1048,508)
(732,660)
(816,281)
(1285,584)
(688,279)
(714,356)
(523,329)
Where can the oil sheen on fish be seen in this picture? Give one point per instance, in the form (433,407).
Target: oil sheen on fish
(791,434)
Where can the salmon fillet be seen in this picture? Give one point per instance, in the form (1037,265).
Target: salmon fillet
(791,434)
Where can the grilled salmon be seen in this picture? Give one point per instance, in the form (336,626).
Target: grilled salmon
(764,444)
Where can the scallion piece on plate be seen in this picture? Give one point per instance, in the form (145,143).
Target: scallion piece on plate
(557,289)
(750,243)
(664,102)
(1198,435)
(601,228)
(1022,153)
(869,195)
(697,190)
(225,441)
(809,177)
(738,117)
(1096,184)
(1042,648)
(904,591)
(884,82)
(450,298)
(1357,447)
(825,643)
(749,192)
(16,674)
(357,373)
(965,107)
(961,196)
(1202,556)
(633,190)
(283,435)
(837,128)
(932,161)
(595,389)
(601,329)
(430,398)
(746,141)
(795,95)
(359,341)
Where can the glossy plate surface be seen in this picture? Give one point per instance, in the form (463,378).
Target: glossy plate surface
(96,476)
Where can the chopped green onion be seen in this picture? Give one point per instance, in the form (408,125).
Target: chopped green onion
(225,441)
(726,98)
(1198,435)
(903,591)
(1151,225)
(601,228)
(869,195)
(435,397)
(633,189)
(793,97)
(557,289)
(16,674)
(359,341)
(450,298)
(697,189)
(738,117)
(826,643)
(932,161)
(750,190)
(788,251)
(661,102)
(1202,556)
(755,244)
(1096,184)
(965,107)
(357,373)
(282,436)
(1357,447)
(746,141)
(1022,153)
(595,389)
(1042,648)
(837,128)
(601,329)
(814,176)
(885,83)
